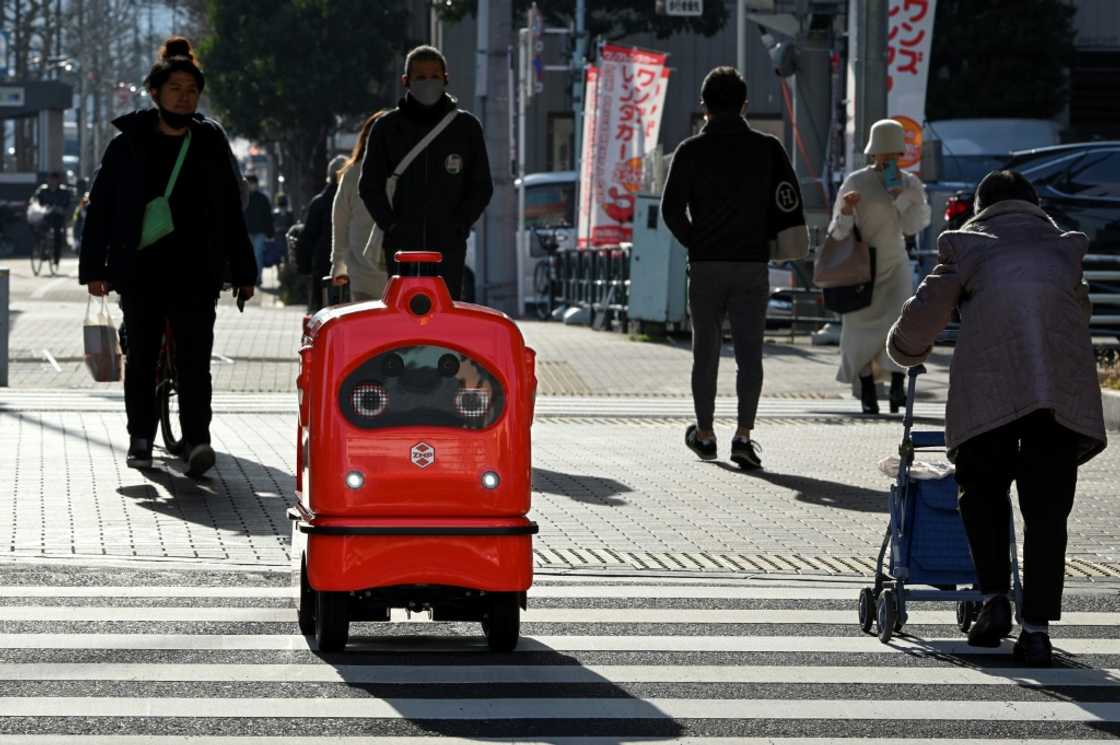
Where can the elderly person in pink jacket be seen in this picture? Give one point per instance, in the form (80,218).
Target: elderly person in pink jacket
(1024,401)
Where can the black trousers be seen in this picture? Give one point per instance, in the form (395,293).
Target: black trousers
(739,291)
(1040,456)
(192,326)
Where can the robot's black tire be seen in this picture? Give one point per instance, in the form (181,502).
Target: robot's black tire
(502,622)
(305,611)
(332,621)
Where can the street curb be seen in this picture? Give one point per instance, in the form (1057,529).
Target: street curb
(1111,400)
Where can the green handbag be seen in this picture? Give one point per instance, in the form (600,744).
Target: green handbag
(157,213)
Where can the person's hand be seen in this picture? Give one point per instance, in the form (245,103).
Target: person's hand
(851,199)
(246,291)
(98,288)
(341,280)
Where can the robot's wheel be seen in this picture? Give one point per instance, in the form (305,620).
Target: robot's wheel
(305,611)
(501,622)
(332,621)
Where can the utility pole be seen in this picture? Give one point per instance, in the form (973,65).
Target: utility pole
(579,59)
(496,253)
(868,32)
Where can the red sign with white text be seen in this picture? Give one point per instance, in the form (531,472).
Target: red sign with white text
(622,124)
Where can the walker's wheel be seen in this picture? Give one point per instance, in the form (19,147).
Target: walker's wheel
(501,622)
(305,610)
(887,615)
(866,609)
(964,615)
(332,621)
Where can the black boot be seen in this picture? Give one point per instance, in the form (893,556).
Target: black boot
(868,395)
(898,392)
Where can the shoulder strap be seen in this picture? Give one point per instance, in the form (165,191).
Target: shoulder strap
(178,166)
(427,140)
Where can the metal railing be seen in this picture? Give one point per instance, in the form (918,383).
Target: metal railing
(597,279)
(1102,272)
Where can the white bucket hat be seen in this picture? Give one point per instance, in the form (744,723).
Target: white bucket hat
(887,136)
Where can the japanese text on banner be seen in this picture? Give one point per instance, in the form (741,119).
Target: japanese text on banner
(909,38)
(623,117)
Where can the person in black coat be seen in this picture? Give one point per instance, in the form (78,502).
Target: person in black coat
(445,190)
(315,241)
(176,279)
(258,220)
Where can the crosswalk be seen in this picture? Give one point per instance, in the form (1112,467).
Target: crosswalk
(602,660)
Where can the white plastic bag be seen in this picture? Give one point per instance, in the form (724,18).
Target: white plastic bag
(920,470)
(102,348)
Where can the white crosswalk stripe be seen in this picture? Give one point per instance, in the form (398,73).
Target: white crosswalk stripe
(600,661)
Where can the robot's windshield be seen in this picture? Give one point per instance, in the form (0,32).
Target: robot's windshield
(422,385)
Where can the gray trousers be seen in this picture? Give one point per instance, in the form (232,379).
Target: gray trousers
(739,291)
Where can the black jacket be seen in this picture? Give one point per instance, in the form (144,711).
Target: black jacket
(116,212)
(442,193)
(258,215)
(62,197)
(731,190)
(315,240)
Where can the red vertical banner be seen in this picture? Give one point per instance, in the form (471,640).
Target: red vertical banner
(622,124)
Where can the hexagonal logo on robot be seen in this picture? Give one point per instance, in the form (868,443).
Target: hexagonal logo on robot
(423,455)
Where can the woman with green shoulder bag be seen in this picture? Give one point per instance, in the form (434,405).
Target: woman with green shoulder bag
(164,221)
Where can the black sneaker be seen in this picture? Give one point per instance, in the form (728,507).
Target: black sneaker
(139,453)
(993,623)
(200,460)
(744,453)
(1033,648)
(704,449)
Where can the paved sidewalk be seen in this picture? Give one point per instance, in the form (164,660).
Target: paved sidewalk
(255,352)
(609,492)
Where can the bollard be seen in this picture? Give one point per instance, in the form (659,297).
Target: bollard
(4,322)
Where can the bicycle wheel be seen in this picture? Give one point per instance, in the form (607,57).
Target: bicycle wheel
(167,398)
(37,258)
(542,287)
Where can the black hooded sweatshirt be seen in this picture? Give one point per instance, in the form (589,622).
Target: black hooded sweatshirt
(210,242)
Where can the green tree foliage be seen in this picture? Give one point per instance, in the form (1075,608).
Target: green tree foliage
(611,20)
(1000,58)
(288,71)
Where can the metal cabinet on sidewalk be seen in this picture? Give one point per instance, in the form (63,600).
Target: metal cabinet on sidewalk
(658,269)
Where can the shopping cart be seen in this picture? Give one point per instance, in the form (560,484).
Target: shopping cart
(927,543)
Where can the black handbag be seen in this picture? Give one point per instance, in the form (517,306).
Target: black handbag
(852,297)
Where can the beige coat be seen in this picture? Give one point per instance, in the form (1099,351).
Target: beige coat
(351,225)
(1024,342)
(884,221)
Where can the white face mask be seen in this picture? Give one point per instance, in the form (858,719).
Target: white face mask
(427,92)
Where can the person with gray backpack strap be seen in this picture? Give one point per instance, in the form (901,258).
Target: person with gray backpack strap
(425,176)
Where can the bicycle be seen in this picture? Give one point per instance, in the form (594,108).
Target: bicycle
(42,252)
(48,243)
(548,239)
(167,395)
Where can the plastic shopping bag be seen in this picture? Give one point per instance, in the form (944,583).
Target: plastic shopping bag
(103,354)
(920,470)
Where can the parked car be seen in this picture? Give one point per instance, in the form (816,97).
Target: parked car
(550,220)
(1079,186)
(970,148)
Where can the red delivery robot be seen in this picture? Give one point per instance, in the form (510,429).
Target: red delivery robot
(413,464)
